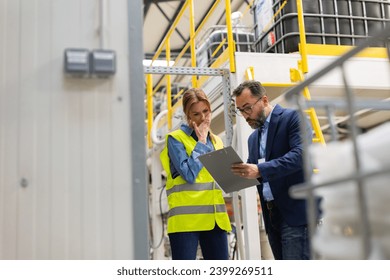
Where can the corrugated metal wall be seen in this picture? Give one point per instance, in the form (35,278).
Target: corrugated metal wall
(64,142)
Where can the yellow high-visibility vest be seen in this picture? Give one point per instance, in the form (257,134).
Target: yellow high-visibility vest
(198,206)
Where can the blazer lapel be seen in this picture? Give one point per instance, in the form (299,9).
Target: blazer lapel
(272,129)
(256,146)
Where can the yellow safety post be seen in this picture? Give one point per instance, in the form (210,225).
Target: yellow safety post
(169,86)
(302,37)
(230,36)
(250,73)
(192,40)
(149,101)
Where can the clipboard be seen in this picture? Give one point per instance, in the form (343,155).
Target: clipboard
(218,164)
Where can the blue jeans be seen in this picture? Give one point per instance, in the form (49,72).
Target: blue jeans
(287,242)
(213,243)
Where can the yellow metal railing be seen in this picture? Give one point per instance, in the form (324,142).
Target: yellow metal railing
(230,36)
(192,40)
(302,38)
(149,87)
(165,45)
(297,75)
(183,51)
(169,85)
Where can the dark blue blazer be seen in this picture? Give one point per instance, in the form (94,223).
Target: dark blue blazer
(283,166)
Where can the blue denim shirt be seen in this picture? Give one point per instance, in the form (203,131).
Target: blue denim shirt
(180,163)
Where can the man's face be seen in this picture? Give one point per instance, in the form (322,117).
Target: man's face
(251,108)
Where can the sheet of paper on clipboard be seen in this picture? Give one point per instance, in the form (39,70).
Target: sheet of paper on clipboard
(218,164)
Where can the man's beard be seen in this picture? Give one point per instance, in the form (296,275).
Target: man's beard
(258,122)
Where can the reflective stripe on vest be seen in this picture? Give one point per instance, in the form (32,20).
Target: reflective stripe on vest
(192,187)
(201,209)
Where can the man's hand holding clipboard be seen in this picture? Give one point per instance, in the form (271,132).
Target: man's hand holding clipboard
(219,164)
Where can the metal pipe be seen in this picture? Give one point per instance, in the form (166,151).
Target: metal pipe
(363,209)
(308,170)
(332,123)
(300,190)
(138,172)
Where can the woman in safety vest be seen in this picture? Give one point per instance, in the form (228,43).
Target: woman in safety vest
(197,211)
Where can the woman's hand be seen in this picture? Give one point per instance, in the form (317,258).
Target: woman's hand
(202,130)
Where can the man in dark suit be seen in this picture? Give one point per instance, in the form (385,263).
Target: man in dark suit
(275,159)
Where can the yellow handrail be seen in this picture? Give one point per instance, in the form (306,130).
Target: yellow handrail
(198,30)
(192,40)
(230,36)
(169,33)
(302,37)
(190,44)
(149,88)
(168,83)
(178,94)
(182,52)
(296,75)
(219,47)
(268,25)
(222,58)
(248,7)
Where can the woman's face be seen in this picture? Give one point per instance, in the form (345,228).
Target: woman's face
(199,112)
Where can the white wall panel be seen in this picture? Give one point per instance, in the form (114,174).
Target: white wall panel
(41,161)
(67,137)
(120,125)
(26,133)
(2,129)
(11,127)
